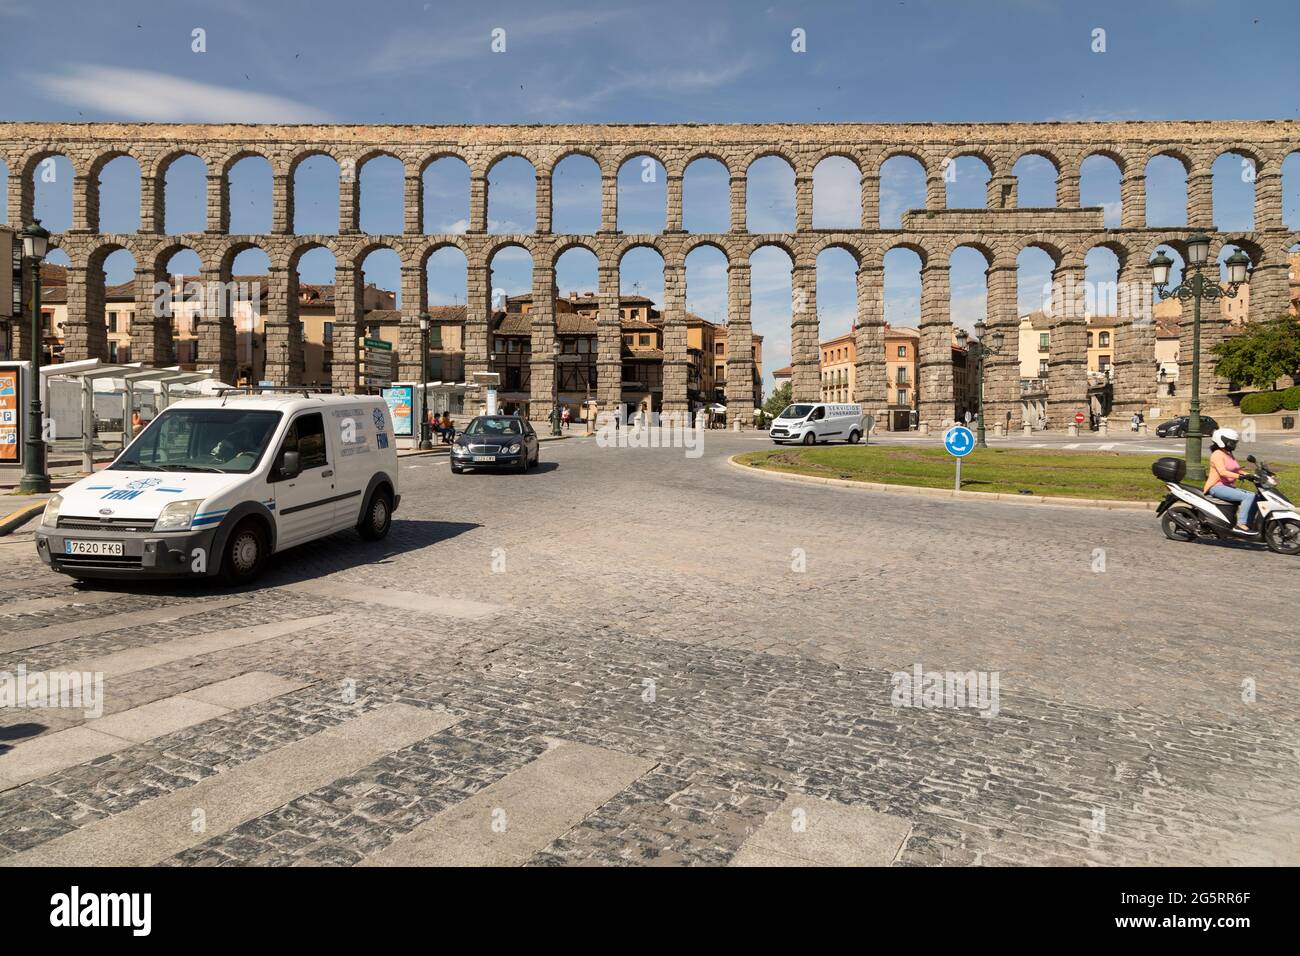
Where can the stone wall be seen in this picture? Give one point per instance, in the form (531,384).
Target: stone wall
(1066,233)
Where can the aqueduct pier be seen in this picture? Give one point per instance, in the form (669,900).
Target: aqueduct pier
(1066,232)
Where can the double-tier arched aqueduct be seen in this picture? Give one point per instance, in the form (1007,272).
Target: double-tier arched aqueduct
(1066,232)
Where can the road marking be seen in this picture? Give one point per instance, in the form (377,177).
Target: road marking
(36,605)
(1106,447)
(52,633)
(100,736)
(808,831)
(389,597)
(525,811)
(162,827)
(1072,445)
(142,658)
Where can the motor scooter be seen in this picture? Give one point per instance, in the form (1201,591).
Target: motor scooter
(1186,514)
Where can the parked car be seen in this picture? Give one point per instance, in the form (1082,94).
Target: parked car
(813,422)
(1177,427)
(495,441)
(215,486)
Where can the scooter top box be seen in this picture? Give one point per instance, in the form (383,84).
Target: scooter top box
(1169,469)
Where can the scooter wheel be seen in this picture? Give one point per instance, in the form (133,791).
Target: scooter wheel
(1172,529)
(1283,537)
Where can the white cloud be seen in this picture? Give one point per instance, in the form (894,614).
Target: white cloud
(159,97)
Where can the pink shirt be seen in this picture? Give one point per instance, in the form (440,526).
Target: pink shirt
(1221,462)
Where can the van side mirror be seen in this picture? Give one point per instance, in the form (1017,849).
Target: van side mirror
(290,465)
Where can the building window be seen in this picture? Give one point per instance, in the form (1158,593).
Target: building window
(1042,368)
(1103,362)
(902,396)
(1042,341)
(902,375)
(435,336)
(329,333)
(1103,339)
(582,346)
(130,321)
(644,340)
(902,351)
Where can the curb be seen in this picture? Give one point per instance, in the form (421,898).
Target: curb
(11,523)
(1104,504)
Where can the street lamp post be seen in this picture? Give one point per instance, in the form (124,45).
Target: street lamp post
(981,349)
(1195,288)
(426,440)
(555,386)
(35,480)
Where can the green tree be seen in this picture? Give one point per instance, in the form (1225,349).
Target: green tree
(1262,353)
(777,401)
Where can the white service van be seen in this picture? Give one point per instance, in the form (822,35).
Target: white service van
(214,486)
(813,422)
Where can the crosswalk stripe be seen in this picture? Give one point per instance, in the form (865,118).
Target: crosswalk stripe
(104,735)
(507,822)
(390,597)
(36,605)
(159,828)
(136,659)
(809,831)
(52,633)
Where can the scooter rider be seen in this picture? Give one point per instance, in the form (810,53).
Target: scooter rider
(1224,473)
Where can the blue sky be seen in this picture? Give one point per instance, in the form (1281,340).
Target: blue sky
(418,62)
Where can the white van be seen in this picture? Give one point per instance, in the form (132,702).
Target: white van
(813,422)
(214,486)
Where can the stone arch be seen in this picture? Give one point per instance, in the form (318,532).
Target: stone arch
(822,213)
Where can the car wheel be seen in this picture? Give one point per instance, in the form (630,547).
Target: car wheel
(457,470)
(245,553)
(853,438)
(378,516)
(809,438)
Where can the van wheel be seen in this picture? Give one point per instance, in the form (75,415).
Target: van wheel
(378,516)
(246,552)
(853,438)
(809,438)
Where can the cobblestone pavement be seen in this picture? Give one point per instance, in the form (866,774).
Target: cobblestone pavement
(735,634)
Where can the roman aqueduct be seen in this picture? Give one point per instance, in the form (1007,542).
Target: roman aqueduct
(1066,232)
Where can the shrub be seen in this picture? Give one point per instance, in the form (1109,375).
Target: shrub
(1261,403)
(1291,398)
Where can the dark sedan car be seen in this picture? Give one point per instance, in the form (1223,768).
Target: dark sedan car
(495,441)
(1177,427)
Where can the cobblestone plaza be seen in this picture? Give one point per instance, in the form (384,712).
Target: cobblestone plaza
(601,684)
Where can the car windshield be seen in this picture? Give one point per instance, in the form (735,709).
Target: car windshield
(224,440)
(795,411)
(494,426)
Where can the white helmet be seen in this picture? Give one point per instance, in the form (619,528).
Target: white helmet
(1225,438)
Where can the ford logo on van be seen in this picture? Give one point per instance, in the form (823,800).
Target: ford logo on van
(106,511)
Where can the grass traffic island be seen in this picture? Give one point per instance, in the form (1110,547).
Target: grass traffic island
(1013,471)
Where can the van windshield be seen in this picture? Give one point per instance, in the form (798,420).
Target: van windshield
(795,411)
(222,440)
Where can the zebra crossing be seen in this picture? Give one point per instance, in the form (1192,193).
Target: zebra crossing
(505,822)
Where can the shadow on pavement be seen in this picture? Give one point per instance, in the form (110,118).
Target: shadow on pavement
(338,552)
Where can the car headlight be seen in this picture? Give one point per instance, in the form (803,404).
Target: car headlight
(513,449)
(176,516)
(50,519)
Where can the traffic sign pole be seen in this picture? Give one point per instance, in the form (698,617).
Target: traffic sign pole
(959,442)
